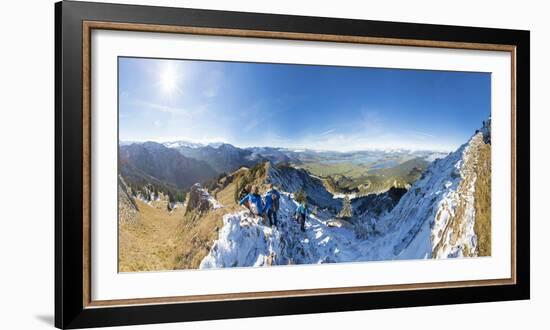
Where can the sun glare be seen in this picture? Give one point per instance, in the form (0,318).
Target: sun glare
(168,79)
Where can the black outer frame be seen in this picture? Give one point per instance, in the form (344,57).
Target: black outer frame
(69,308)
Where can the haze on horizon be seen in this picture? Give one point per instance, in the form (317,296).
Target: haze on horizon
(299,106)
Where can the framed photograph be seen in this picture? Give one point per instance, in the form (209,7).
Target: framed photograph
(214,164)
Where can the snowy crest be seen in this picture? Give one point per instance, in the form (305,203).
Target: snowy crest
(435,218)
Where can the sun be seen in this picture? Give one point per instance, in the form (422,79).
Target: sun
(168,79)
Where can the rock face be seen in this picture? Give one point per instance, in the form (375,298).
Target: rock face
(376,205)
(486,131)
(368,210)
(128,211)
(292,180)
(200,200)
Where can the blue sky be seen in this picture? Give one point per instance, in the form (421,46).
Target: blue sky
(299,106)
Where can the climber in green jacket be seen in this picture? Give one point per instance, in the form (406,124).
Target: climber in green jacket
(301,214)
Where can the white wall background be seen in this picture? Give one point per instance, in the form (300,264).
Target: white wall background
(27,162)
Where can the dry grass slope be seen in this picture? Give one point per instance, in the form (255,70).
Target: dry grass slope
(478,167)
(149,244)
(197,231)
(162,240)
(482,225)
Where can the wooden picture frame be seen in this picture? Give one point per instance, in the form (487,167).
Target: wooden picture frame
(74,307)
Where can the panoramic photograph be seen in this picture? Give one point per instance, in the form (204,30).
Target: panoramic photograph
(238,164)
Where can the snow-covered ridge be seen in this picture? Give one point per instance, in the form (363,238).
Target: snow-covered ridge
(179,144)
(340,196)
(190,144)
(434,219)
(246,241)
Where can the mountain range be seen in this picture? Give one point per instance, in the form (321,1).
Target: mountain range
(223,158)
(150,161)
(183,163)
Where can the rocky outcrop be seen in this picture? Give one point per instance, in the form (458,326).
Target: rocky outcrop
(486,131)
(200,200)
(128,211)
(376,205)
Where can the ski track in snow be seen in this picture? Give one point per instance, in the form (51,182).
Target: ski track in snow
(420,222)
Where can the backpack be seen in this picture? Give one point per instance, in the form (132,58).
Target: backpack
(253,205)
(275,200)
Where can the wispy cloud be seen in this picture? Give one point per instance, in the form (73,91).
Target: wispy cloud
(371,122)
(210,92)
(420,134)
(251,124)
(357,142)
(332,130)
(168,109)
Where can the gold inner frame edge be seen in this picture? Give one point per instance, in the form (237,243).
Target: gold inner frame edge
(88,26)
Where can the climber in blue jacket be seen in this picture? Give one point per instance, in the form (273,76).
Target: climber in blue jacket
(272,197)
(253,201)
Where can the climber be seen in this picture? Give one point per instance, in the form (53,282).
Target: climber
(301,214)
(272,197)
(253,201)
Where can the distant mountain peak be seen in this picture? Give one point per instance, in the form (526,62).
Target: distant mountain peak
(217,144)
(183,143)
(224,146)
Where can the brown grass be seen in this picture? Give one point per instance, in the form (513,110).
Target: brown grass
(482,225)
(197,231)
(149,244)
(481,168)
(161,240)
